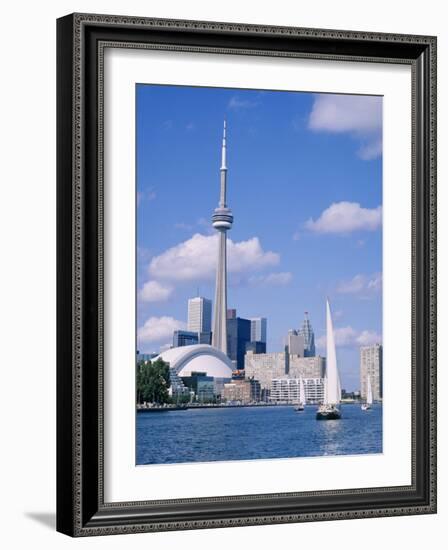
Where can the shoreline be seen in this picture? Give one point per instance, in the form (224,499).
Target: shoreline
(227,406)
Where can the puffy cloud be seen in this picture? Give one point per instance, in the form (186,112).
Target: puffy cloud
(361,284)
(371,150)
(360,116)
(274,279)
(157,329)
(368,338)
(153,291)
(196,258)
(345,217)
(348,337)
(346,113)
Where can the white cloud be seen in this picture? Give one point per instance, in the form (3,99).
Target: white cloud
(371,150)
(361,284)
(157,329)
(360,116)
(348,337)
(196,258)
(238,103)
(153,291)
(274,279)
(344,217)
(368,338)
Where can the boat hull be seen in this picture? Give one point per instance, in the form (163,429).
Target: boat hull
(334,414)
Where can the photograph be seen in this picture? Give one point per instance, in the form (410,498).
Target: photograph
(259,259)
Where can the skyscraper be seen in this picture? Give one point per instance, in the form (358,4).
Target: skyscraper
(238,335)
(295,343)
(199,314)
(371,364)
(256,347)
(222,220)
(258,329)
(184,338)
(231,313)
(308,337)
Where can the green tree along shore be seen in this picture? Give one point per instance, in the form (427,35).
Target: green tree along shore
(153,381)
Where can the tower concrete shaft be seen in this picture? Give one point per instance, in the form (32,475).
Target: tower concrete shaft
(222,220)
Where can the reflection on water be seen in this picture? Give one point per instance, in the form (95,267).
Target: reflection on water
(244,433)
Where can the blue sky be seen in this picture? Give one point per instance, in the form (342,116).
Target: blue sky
(305,188)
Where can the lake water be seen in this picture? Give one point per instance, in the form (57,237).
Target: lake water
(244,433)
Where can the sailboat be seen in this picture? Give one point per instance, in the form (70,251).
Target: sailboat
(329,409)
(302,397)
(368,404)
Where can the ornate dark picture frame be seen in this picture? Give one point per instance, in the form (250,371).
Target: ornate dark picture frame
(81,39)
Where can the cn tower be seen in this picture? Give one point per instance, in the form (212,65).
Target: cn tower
(222,220)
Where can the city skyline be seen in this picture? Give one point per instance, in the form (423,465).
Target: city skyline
(276,270)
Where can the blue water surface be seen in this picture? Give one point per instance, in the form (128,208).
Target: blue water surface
(247,433)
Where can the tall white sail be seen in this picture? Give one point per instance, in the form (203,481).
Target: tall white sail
(369,391)
(333,386)
(302,392)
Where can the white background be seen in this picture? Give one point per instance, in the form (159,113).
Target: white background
(125,482)
(27,305)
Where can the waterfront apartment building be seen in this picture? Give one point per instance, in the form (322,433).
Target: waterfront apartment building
(243,391)
(177,387)
(306,367)
(264,367)
(199,315)
(258,329)
(238,335)
(371,364)
(287,390)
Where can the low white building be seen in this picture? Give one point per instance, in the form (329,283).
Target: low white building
(287,390)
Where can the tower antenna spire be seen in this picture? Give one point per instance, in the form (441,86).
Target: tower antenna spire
(222,199)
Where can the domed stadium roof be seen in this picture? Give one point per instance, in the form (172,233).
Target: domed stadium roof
(198,358)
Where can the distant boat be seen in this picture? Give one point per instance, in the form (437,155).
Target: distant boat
(302,397)
(369,401)
(329,409)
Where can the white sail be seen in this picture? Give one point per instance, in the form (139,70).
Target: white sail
(369,391)
(333,386)
(302,392)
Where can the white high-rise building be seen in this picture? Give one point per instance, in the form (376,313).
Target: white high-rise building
(222,220)
(258,329)
(199,315)
(371,364)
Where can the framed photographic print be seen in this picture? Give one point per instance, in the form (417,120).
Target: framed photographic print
(246,274)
